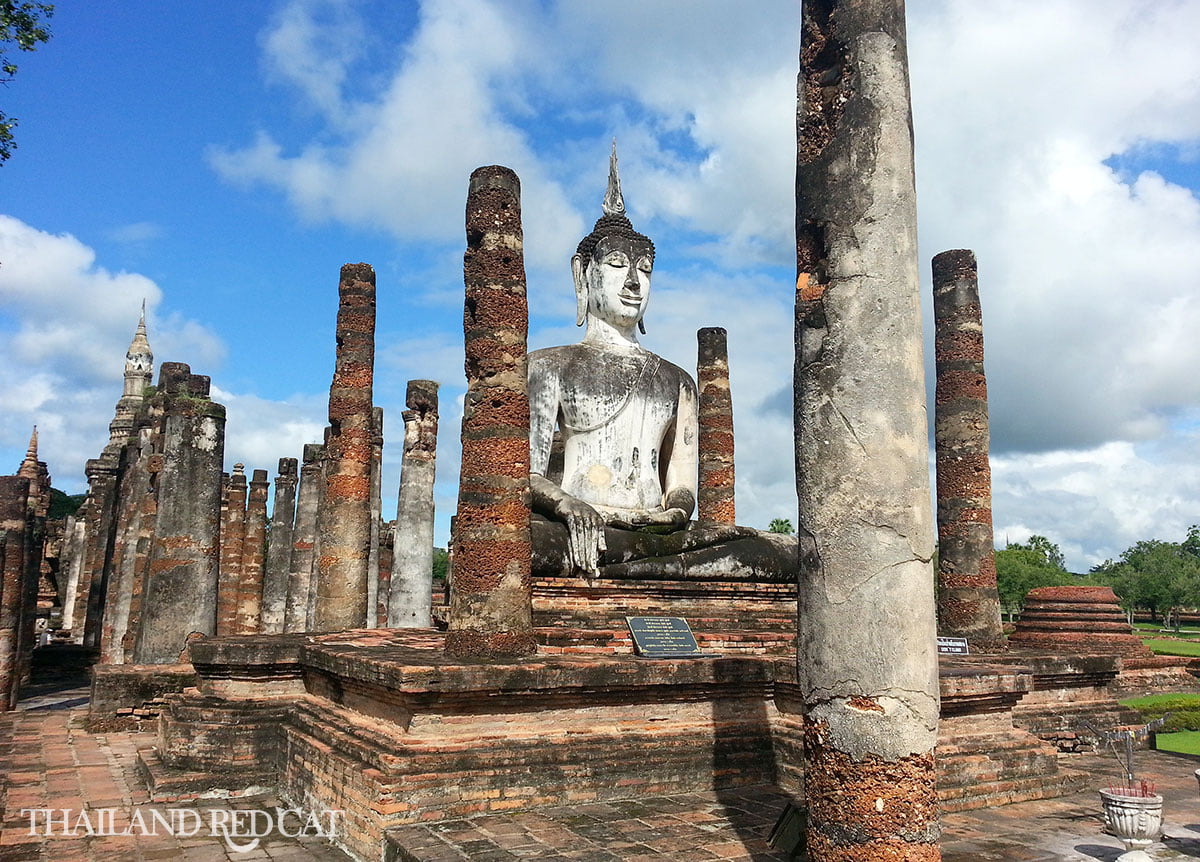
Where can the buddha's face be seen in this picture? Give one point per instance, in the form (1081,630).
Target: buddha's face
(618,280)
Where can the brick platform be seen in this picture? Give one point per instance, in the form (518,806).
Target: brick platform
(48,759)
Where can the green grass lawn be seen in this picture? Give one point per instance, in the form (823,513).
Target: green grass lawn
(1184,742)
(1181,700)
(1165,647)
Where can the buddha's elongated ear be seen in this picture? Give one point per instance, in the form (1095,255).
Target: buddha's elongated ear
(642,327)
(581,290)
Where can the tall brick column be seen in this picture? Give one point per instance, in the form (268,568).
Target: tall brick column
(180,594)
(250,584)
(14,541)
(490,605)
(376,514)
(409,605)
(867,633)
(716,501)
(968,599)
(304,536)
(344,523)
(279,548)
(233,538)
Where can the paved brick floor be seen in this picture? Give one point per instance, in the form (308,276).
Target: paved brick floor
(47,760)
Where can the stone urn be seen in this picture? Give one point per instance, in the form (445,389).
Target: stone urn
(1134,819)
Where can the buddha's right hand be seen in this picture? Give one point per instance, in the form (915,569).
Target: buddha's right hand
(585,534)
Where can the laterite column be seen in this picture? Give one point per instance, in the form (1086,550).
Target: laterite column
(716,501)
(867,633)
(968,599)
(250,584)
(344,524)
(14,547)
(233,538)
(490,605)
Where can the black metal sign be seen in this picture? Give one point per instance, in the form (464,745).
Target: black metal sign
(663,637)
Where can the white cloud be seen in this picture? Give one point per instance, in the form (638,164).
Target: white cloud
(66,325)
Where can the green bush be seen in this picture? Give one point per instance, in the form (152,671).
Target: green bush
(1182,710)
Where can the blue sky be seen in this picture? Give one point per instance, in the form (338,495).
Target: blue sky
(223,161)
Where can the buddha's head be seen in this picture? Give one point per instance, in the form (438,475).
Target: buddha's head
(612,264)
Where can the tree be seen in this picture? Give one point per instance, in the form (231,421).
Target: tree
(441,558)
(21,24)
(1048,550)
(1021,568)
(780,525)
(1163,577)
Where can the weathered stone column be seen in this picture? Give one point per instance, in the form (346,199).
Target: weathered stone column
(300,574)
(867,634)
(490,605)
(250,584)
(376,514)
(279,548)
(135,486)
(233,537)
(716,501)
(74,544)
(180,594)
(102,492)
(968,599)
(38,509)
(345,520)
(14,541)
(409,605)
(386,539)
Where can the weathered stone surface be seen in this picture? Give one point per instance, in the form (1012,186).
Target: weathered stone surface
(968,601)
(233,538)
(409,605)
(279,548)
(180,595)
(14,550)
(867,662)
(344,519)
(715,488)
(248,619)
(376,513)
(300,575)
(490,610)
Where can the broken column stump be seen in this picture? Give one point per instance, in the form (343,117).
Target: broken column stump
(180,593)
(344,522)
(490,607)
(968,599)
(867,634)
(233,537)
(409,605)
(300,573)
(248,619)
(279,548)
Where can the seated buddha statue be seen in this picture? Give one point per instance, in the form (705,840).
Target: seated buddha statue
(627,423)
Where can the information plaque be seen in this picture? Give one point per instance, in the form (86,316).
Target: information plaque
(952,646)
(664,637)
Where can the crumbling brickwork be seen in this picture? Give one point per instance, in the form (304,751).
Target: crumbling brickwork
(968,600)
(716,486)
(490,613)
(344,520)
